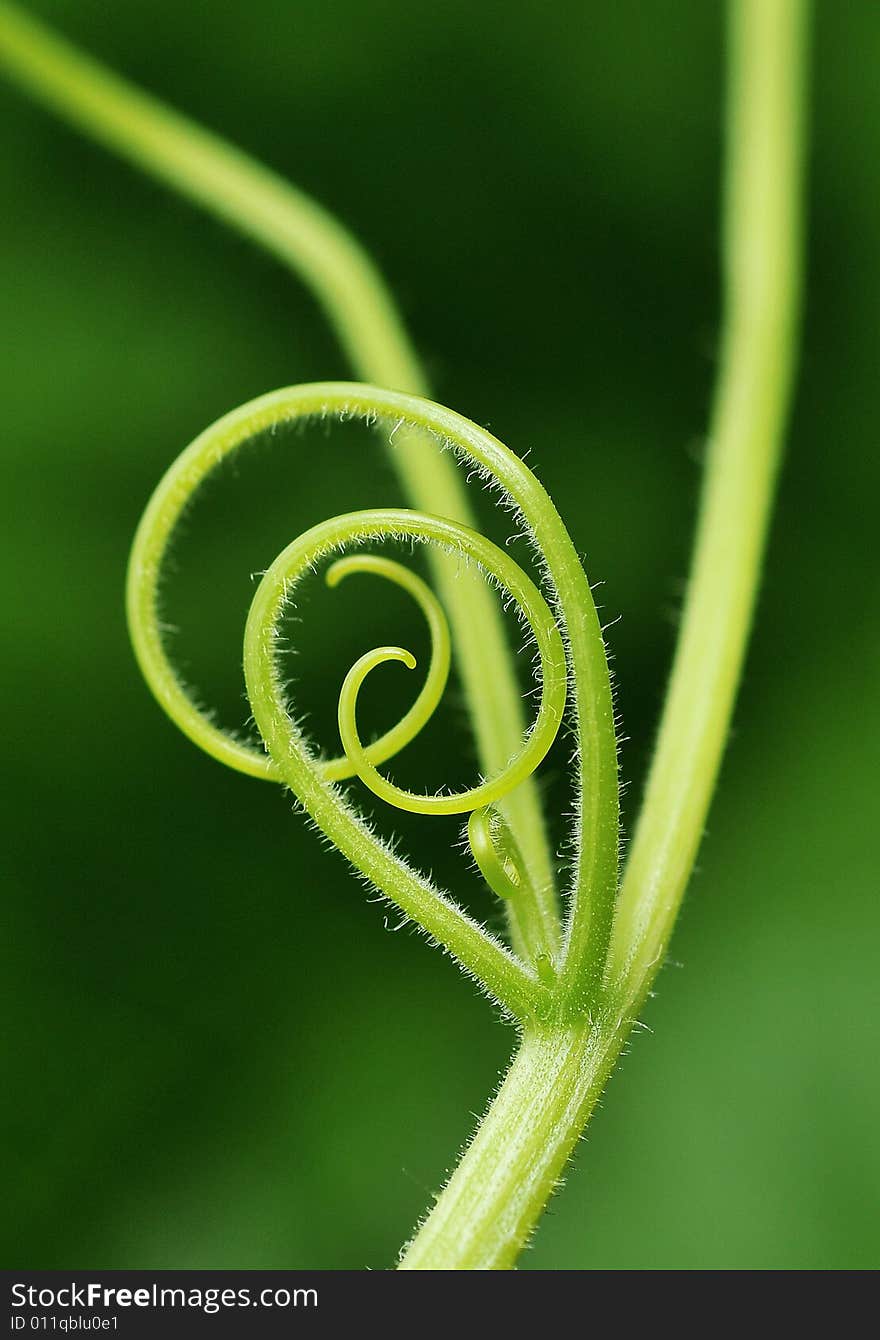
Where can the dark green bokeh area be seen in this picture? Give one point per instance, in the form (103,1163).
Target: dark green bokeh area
(215,1054)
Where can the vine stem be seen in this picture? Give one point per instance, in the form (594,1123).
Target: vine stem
(353,295)
(490,1205)
(763,261)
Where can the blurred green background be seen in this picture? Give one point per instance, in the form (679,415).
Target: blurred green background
(215,1055)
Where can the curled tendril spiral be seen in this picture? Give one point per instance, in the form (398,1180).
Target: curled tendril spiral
(522,987)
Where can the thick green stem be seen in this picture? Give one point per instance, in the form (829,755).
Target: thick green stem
(491,1203)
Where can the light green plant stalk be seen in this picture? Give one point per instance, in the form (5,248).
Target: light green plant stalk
(574,1000)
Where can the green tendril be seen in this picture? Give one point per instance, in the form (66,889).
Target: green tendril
(499,860)
(290,758)
(431,692)
(490,842)
(553,677)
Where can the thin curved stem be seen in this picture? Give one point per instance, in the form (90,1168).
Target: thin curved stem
(352,293)
(494,1198)
(762,277)
(543,731)
(411,723)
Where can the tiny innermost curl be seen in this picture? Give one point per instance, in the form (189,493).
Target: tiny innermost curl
(412,722)
(362,760)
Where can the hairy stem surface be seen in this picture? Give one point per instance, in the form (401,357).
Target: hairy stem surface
(489,1207)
